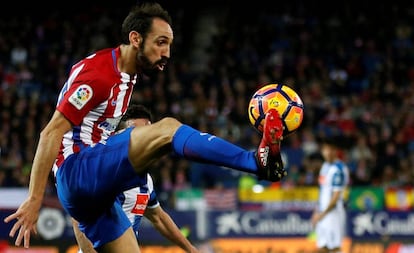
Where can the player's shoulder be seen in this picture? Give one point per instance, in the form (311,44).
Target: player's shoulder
(97,67)
(339,165)
(102,53)
(99,59)
(94,57)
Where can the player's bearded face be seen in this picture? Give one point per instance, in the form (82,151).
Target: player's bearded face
(148,67)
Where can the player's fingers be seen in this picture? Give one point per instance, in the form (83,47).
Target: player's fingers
(19,238)
(11,217)
(15,227)
(27,238)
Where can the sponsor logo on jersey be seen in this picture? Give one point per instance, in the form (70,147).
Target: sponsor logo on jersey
(81,96)
(109,124)
(140,203)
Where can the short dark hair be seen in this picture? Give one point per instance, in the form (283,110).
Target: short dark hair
(137,111)
(140,19)
(333,141)
(134,111)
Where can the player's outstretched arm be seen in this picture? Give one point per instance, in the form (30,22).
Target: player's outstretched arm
(27,214)
(167,227)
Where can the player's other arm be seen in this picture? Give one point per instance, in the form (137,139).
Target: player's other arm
(336,195)
(167,227)
(46,152)
(317,216)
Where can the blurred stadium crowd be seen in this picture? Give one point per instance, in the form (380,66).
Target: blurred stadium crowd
(353,66)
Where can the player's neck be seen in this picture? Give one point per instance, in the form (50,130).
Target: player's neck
(127,61)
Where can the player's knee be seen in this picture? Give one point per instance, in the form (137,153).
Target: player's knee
(150,142)
(169,124)
(159,133)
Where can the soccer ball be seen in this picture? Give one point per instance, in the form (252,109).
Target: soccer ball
(281,97)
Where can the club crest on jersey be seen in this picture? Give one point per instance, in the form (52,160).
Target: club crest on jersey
(140,203)
(81,96)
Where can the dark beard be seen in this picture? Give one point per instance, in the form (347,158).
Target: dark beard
(148,68)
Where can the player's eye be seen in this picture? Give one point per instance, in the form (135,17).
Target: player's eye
(162,42)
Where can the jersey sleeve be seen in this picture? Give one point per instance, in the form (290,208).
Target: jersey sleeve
(81,93)
(339,179)
(153,201)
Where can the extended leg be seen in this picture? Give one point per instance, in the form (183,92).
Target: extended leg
(148,143)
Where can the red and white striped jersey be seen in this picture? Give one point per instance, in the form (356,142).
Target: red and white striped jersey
(94,99)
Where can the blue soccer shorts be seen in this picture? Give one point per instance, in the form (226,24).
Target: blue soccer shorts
(88,183)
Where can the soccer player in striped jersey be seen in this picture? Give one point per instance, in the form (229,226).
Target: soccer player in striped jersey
(329,217)
(92,165)
(142,200)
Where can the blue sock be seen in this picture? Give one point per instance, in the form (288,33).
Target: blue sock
(203,147)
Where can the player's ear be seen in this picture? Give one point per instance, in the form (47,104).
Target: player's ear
(135,38)
(129,123)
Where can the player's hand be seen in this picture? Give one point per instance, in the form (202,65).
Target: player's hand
(193,250)
(316,217)
(26,217)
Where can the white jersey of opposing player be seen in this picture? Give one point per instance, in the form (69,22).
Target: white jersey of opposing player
(330,231)
(332,177)
(136,200)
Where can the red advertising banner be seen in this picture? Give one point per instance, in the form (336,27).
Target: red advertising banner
(399,199)
(34,249)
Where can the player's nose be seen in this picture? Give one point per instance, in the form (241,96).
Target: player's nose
(165,52)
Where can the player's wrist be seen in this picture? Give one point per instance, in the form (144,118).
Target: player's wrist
(36,199)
